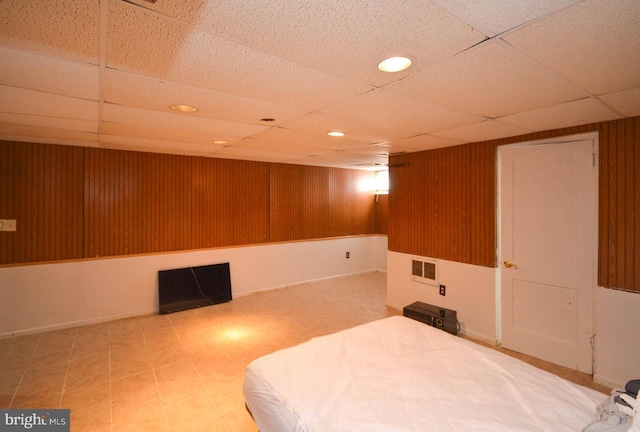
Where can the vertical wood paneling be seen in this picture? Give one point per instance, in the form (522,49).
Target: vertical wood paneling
(483,204)
(136,203)
(619,227)
(382,214)
(603,205)
(635,197)
(42,189)
(630,188)
(315,202)
(230,202)
(429,203)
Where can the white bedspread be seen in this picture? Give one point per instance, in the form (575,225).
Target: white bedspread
(398,374)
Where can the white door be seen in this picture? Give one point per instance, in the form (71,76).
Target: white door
(548,226)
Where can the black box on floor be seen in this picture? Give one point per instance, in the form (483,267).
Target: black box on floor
(444,319)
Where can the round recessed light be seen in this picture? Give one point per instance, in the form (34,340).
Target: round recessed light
(335,133)
(395,64)
(183,108)
(221,142)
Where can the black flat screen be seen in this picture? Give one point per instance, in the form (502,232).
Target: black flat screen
(192,287)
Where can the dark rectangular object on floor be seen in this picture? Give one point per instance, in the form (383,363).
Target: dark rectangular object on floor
(192,287)
(444,319)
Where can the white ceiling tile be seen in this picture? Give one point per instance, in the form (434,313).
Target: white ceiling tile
(156,146)
(595,44)
(342,38)
(32,133)
(253,155)
(498,17)
(22,101)
(279,146)
(626,102)
(73,27)
(355,129)
(187,55)
(483,131)
(50,122)
(392,110)
(381,150)
(156,95)
(287,136)
(182,135)
(425,142)
(71,67)
(583,111)
(491,80)
(177,122)
(345,159)
(48,74)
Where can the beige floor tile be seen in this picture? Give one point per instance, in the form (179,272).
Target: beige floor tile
(142,385)
(55,360)
(86,395)
(176,371)
(183,372)
(181,388)
(40,381)
(86,346)
(239,421)
(125,413)
(193,409)
(50,399)
(168,356)
(124,364)
(5,399)
(91,418)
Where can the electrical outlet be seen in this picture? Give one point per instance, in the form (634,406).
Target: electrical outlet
(443,290)
(2,224)
(10,225)
(348,254)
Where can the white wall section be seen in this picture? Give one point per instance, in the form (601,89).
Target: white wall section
(57,295)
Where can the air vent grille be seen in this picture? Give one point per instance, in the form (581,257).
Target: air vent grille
(425,271)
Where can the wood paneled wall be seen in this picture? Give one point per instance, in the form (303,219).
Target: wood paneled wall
(314,202)
(439,204)
(382,214)
(41,187)
(473,236)
(73,202)
(619,211)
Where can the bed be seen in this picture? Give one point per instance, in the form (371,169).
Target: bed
(397,374)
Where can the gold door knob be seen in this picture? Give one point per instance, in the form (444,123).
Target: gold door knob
(509,264)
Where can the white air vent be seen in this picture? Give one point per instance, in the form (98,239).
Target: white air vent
(424,271)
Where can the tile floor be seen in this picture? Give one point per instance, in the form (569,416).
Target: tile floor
(184,371)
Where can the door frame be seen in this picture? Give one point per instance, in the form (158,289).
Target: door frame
(593,136)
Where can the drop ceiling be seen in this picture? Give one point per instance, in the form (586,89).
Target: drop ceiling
(105,73)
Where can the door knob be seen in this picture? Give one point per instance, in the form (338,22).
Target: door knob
(509,264)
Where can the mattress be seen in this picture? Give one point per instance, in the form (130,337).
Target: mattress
(397,374)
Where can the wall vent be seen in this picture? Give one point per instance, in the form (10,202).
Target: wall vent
(424,271)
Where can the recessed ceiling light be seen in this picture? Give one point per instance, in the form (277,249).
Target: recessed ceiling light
(221,142)
(335,133)
(184,108)
(395,64)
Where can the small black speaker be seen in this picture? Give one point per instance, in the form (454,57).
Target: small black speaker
(444,319)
